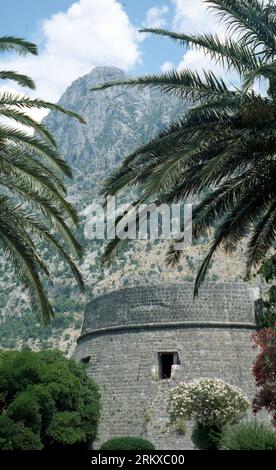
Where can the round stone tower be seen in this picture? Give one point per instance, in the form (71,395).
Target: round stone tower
(139,342)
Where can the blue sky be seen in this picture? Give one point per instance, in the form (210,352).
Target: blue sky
(75,36)
(30,13)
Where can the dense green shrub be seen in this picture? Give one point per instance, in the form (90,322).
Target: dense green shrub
(248,436)
(127,443)
(205,437)
(46,401)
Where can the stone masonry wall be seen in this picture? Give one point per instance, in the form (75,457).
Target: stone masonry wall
(124,331)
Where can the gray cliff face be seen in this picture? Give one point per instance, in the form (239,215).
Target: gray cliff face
(117,121)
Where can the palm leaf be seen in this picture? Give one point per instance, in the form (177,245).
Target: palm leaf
(229,54)
(18,45)
(8,98)
(32,202)
(20,79)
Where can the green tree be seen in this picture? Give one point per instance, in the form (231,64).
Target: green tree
(223,149)
(46,401)
(32,194)
(268,272)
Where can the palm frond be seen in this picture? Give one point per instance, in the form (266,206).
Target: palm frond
(32,202)
(230,54)
(18,45)
(8,98)
(37,145)
(22,80)
(15,159)
(184,84)
(30,222)
(27,121)
(267,71)
(203,270)
(250,19)
(262,239)
(23,257)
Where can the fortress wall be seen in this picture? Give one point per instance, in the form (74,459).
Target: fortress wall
(172,303)
(124,351)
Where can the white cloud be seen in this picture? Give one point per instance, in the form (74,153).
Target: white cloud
(89,33)
(197,20)
(156,17)
(193,17)
(167,66)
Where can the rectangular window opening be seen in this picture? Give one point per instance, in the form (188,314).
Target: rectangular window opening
(86,359)
(166,361)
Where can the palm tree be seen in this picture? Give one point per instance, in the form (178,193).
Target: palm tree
(223,149)
(32,193)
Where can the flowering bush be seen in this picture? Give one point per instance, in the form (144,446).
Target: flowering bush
(264,372)
(209,402)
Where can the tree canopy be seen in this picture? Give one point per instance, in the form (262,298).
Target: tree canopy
(46,401)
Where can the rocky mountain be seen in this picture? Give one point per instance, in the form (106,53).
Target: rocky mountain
(117,121)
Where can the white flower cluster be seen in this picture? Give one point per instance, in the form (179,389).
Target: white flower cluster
(208,401)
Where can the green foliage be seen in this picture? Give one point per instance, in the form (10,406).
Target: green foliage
(269,317)
(268,272)
(205,437)
(66,428)
(25,409)
(248,436)
(32,197)
(16,437)
(127,443)
(222,152)
(268,268)
(46,401)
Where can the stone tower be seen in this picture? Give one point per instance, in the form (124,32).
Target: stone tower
(139,342)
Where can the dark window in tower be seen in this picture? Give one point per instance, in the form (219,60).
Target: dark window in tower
(166,360)
(86,359)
